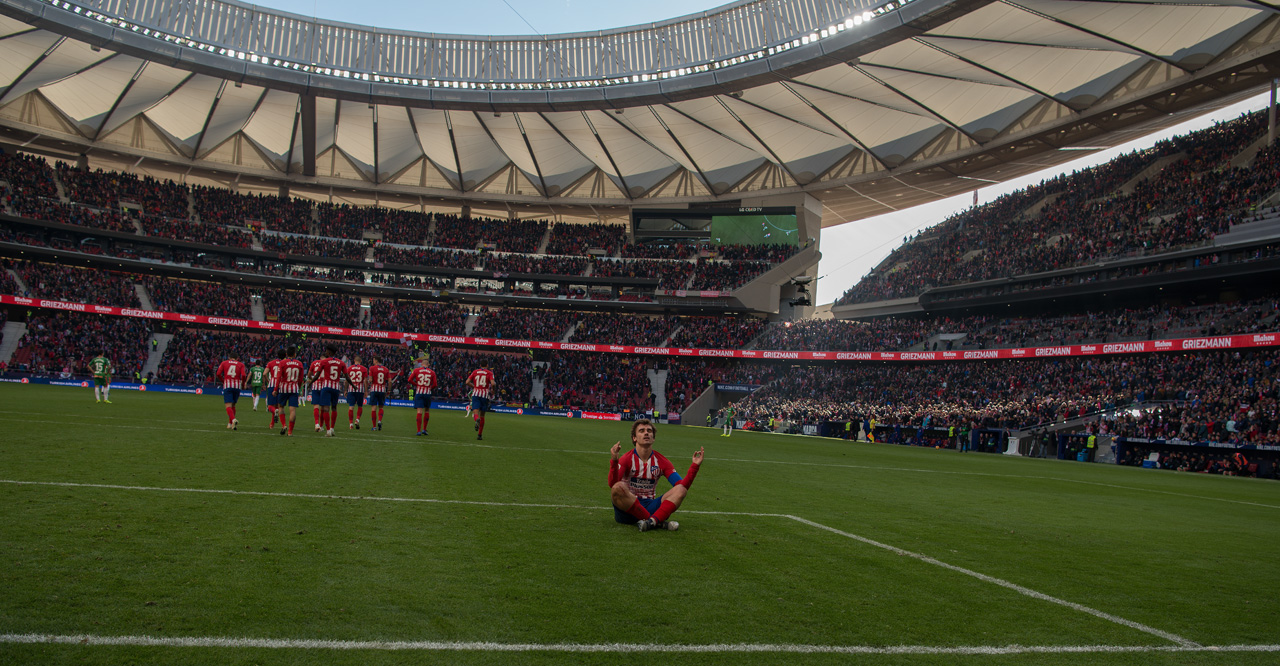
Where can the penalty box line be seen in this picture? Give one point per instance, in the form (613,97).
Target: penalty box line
(484,646)
(1025,591)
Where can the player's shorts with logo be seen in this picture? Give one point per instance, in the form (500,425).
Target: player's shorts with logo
(628,519)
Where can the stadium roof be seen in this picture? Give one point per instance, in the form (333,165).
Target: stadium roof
(869,107)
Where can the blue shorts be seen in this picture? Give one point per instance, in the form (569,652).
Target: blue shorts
(628,519)
(286,399)
(422,401)
(328,397)
(355,399)
(271,397)
(479,404)
(230,396)
(377,399)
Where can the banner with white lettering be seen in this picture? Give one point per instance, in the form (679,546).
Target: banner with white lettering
(1247,341)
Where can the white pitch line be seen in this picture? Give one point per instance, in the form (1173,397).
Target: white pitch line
(445,442)
(487,646)
(790,462)
(1173,638)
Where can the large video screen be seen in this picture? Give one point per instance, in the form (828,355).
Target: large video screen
(762,229)
(717,226)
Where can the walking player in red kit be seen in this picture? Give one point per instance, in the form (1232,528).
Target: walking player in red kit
(232,374)
(481,382)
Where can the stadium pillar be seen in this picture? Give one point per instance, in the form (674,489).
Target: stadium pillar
(309,135)
(1271,114)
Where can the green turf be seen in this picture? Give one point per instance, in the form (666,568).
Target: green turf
(1188,555)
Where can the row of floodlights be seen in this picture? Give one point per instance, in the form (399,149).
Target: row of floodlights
(829,31)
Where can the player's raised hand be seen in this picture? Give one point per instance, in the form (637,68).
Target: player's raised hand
(697,456)
(617,448)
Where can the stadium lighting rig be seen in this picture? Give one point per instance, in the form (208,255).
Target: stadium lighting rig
(849,23)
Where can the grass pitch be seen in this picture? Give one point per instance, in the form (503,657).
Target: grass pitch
(145,532)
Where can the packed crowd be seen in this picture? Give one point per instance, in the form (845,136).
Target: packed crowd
(717,332)
(454,231)
(518,324)
(597,382)
(416,316)
(1085,217)
(577,239)
(425,256)
(307,307)
(197,232)
(344,220)
(77,285)
(53,211)
(541,265)
(110,190)
(194,297)
(313,246)
(670,274)
(1212,389)
(26,177)
(217,205)
(725,275)
(62,343)
(623,329)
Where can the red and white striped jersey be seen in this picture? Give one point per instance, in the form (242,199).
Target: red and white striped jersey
(422,380)
(642,475)
(481,382)
(379,378)
(329,374)
(290,376)
(356,374)
(232,374)
(273,372)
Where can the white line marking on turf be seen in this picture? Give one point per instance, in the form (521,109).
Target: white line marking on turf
(921,557)
(302,432)
(485,646)
(1005,584)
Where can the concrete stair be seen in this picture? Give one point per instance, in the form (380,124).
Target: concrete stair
(156,352)
(144,297)
(13,332)
(658,384)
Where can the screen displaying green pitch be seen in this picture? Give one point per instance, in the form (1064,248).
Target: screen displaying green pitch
(761,229)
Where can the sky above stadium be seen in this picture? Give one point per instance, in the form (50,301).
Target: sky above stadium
(849,251)
(495,17)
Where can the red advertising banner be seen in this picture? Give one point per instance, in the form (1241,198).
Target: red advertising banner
(1247,341)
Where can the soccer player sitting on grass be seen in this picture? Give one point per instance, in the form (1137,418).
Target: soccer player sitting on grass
(633,480)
